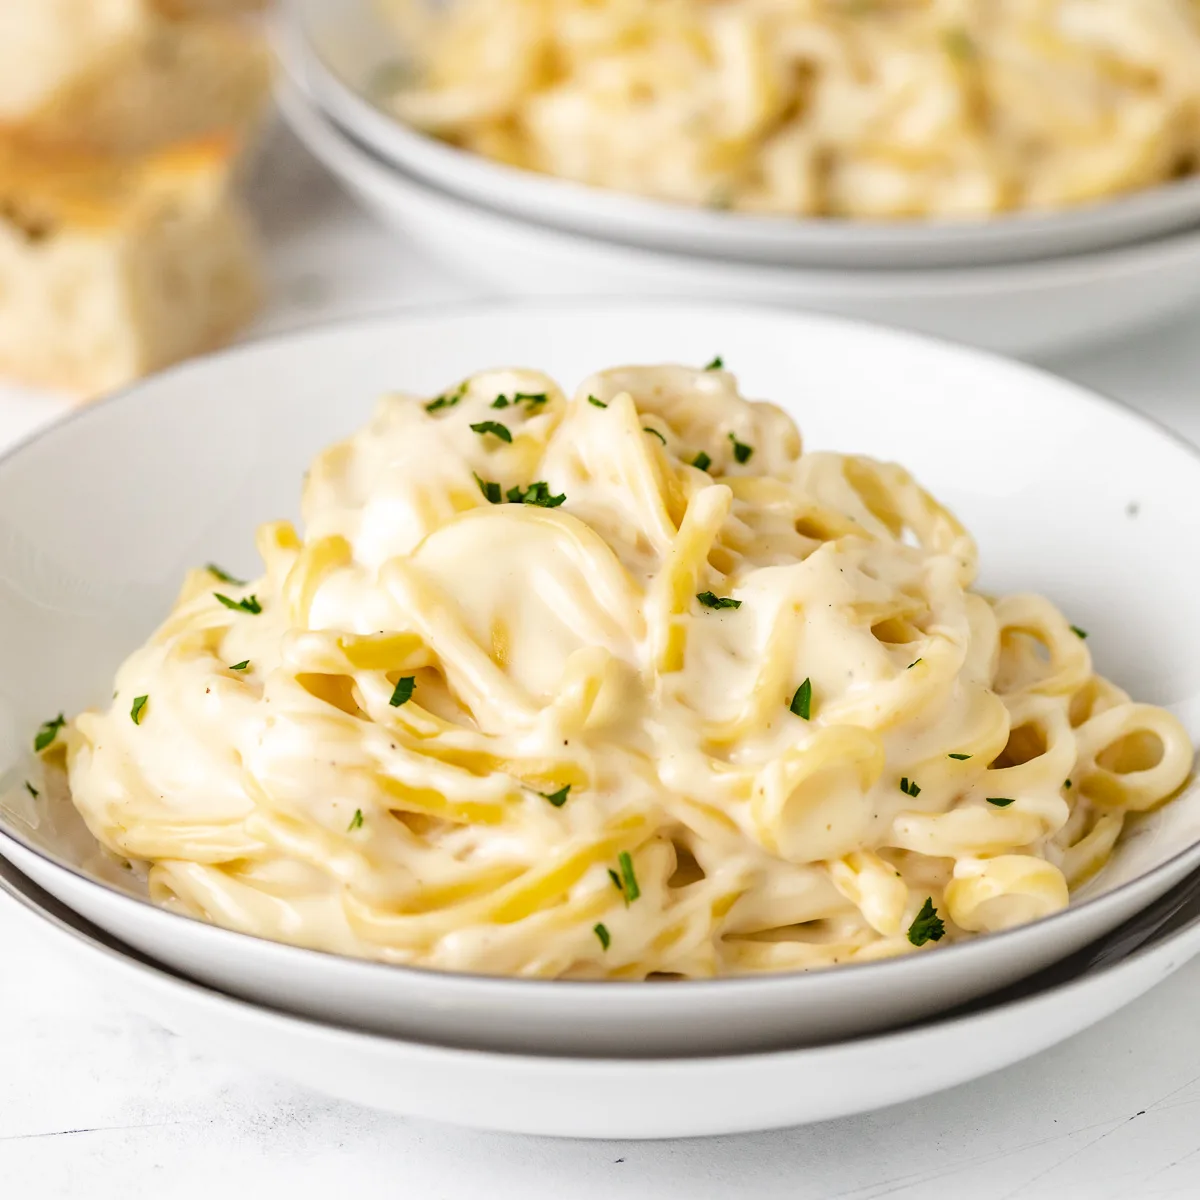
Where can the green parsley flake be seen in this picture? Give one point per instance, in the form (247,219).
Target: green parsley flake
(597,403)
(356,821)
(801,703)
(1079,633)
(491,491)
(741,451)
(242,666)
(909,787)
(249,604)
(717,364)
(702,461)
(47,732)
(647,429)
(927,926)
(494,428)
(601,931)
(224,576)
(536,493)
(712,600)
(1001,801)
(616,879)
(448,400)
(31,789)
(403,691)
(913,663)
(559,798)
(629,883)
(1067,785)
(960,757)
(139,706)
(959,45)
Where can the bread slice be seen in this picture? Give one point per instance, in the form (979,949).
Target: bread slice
(121,76)
(112,268)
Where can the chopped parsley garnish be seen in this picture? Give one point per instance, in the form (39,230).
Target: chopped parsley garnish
(1001,801)
(741,451)
(403,691)
(536,493)
(31,789)
(224,576)
(629,883)
(647,429)
(801,703)
(47,732)
(597,403)
(909,787)
(491,491)
(712,600)
(960,757)
(356,821)
(250,604)
(448,400)
(959,45)
(616,879)
(716,365)
(913,663)
(927,926)
(494,428)
(533,399)
(1067,784)
(1079,633)
(139,706)
(242,666)
(601,931)
(559,798)
(702,461)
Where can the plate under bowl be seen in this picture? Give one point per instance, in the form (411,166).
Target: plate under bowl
(341,48)
(628,1098)
(1067,493)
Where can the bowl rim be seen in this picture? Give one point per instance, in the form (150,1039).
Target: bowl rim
(587,308)
(363,170)
(405,146)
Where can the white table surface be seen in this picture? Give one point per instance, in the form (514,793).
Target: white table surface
(97,1102)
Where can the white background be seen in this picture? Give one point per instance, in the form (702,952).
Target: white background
(98,1103)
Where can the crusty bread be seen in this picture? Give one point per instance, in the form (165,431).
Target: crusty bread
(110,269)
(123,77)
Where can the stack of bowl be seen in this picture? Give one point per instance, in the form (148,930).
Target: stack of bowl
(89,567)
(1026,283)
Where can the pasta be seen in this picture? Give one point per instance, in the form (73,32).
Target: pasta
(623,686)
(876,109)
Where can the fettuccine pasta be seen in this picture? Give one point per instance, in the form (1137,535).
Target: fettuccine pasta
(622,686)
(874,109)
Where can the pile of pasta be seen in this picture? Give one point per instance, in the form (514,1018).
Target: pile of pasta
(857,108)
(621,686)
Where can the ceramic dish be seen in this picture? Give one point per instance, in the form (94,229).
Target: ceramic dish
(103,512)
(634,1098)
(342,48)
(1030,309)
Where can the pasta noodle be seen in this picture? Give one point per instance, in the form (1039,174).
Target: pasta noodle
(874,109)
(622,686)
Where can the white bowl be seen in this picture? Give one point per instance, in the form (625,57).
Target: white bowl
(100,516)
(340,48)
(1028,308)
(620,1098)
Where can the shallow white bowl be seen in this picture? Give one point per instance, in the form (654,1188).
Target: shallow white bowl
(342,47)
(624,1098)
(100,516)
(1028,309)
